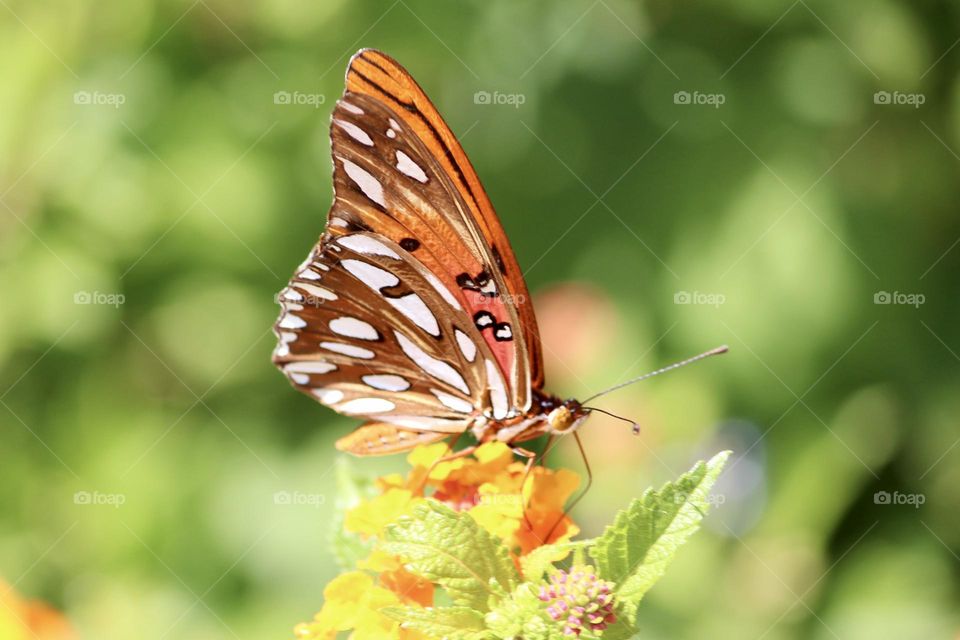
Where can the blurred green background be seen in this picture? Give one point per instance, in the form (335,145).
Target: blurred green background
(778,176)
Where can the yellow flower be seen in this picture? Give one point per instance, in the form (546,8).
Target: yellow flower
(524,510)
(352,602)
(487,485)
(370,517)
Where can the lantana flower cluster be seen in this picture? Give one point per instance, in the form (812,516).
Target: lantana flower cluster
(579,600)
(525,511)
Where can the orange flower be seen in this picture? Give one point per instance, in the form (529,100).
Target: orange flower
(487,485)
(524,510)
(30,620)
(411,589)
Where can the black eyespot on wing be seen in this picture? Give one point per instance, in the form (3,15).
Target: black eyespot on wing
(503,333)
(484,320)
(410,244)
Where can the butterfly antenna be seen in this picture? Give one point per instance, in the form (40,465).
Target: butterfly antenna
(676,365)
(634,425)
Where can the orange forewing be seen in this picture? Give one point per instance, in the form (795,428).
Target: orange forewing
(377,75)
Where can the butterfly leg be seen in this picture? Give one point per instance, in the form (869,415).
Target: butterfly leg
(572,504)
(531,457)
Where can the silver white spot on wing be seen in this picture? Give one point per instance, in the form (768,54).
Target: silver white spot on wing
(436,368)
(355,132)
(348,350)
(328,396)
(369,185)
(408,167)
(420,423)
(413,307)
(503,332)
(467,346)
(443,291)
(366,406)
(310,366)
(290,321)
(317,292)
(309,274)
(353,328)
(374,277)
(283,348)
(352,108)
(453,402)
(367,245)
(299,378)
(386,382)
(391,133)
(498,391)
(291,294)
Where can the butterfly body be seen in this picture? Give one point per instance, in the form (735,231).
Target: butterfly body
(411,311)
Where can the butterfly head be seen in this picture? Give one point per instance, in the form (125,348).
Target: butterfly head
(566,417)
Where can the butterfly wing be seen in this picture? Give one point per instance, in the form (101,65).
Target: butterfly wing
(368,331)
(482,270)
(411,310)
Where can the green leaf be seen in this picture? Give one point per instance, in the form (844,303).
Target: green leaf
(348,548)
(635,550)
(540,560)
(450,623)
(451,549)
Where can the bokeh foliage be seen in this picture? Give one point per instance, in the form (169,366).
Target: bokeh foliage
(143,155)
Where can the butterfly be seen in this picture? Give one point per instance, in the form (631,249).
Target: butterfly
(411,311)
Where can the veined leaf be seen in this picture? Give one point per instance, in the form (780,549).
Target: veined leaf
(452,550)
(635,550)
